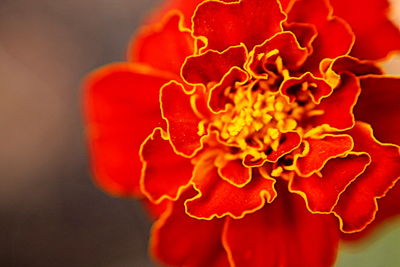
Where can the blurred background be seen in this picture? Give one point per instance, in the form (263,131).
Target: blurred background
(50,212)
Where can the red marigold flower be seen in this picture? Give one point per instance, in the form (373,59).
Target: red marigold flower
(247,130)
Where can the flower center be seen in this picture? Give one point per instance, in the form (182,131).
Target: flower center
(258,116)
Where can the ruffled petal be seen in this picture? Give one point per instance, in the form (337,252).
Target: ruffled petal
(338,107)
(320,150)
(321,192)
(121,109)
(376,35)
(186,7)
(379,105)
(292,55)
(179,240)
(283,233)
(164,174)
(217,197)
(163,46)
(316,88)
(227,24)
(305,33)
(233,171)
(335,37)
(287,143)
(358,204)
(218,98)
(355,66)
(198,70)
(182,121)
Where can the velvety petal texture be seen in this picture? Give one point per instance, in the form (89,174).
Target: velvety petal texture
(227,24)
(163,46)
(379,106)
(282,234)
(376,35)
(217,197)
(164,173)
(358,204)
(170,242)
(321,191)
(122,108)
(182,121)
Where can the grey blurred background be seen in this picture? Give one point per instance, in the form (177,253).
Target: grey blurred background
(50,212)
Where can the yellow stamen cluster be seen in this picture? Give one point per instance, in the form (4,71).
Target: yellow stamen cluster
(257,118)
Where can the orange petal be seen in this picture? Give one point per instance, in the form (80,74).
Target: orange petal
(163,46)
(217,197)
(211,66)
(182,121)
(379,105)
(338,107)
(283,233)
(305,33)
(186,7)
(321,192)
(121,109)
(293,56)
(376,35)
(217,97)
(389,207)
(321,150)
(164,173)
(358,204)
(335,37)
(317,88)
(226,24)
(179,240)
(234,172)
(355,66)
(288,142)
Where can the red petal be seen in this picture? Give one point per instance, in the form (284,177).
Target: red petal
(164,173)
(379,105)
(338,107)
(182,121)
(217,197)
(163,46)
(288,142)
(293,56)
(283,233)
(234,172)
(358,204)
(217,97)
(186,7)
(317,88)
(321,150)
(355,66)
(376,36)
(248,21)
(198,70)
(389,207)
(335,37)
(322,192)
(305,33)
(179,240)
(122,108)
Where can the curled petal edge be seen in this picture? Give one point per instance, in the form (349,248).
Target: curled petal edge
(143,189)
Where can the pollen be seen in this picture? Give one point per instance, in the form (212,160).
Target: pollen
(260,115)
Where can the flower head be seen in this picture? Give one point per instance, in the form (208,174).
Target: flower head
(248,129)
